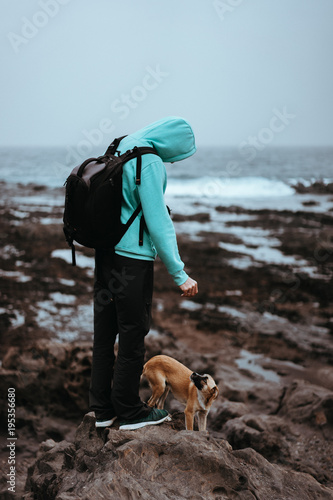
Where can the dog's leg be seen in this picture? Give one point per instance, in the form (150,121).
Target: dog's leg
(202,420)
(158,387)
(189,418)
(154,399)
(161,401)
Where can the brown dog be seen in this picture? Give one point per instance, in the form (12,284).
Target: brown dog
(196,391)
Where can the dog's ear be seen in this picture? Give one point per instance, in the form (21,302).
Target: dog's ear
(215,392)
(198,380)
(212,395)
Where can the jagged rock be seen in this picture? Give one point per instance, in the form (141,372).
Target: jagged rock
(200,217)
(264,433)
(316,187)
(51,382)
(305,402)
(228,410)
(159,462)
(326,375)
(50,374)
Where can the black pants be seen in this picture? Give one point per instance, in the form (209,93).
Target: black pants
(122,304)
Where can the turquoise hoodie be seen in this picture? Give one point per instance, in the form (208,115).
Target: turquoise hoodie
(173,139)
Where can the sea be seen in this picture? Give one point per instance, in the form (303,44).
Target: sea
(214,175)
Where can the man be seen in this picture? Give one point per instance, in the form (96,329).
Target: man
(124,278)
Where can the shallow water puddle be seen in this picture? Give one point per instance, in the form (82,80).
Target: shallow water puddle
(63,318)
(265,254)
(190,305)
(82,260)
(248,361)
(16,276)
(16,317)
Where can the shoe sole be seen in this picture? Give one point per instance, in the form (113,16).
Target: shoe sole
(106,423)
(139,425)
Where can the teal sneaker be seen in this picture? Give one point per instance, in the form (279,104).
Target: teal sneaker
(155,417)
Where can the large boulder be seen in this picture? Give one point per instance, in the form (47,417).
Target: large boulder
(306,402)
(264,433)
(160,462)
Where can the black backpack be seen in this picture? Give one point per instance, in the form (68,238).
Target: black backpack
(93,199)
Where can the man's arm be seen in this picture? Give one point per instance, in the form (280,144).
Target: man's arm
(160,226)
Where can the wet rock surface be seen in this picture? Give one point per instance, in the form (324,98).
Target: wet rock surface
(262,327)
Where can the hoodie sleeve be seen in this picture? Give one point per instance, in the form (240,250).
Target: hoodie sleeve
(159,224)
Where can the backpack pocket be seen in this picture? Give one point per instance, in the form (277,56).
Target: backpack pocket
(104,210)
(75,201)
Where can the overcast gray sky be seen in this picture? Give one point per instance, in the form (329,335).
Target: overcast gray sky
(75,70)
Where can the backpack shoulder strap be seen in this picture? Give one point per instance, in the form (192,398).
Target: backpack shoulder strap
(113,146)
(137,152)
(142,151)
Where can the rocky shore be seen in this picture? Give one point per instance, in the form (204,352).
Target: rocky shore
(261,325)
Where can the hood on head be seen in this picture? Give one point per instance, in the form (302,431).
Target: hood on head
(172,137)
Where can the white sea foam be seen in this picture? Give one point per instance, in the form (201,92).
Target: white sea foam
(219,187)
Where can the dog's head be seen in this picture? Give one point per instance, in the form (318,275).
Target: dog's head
(207,387)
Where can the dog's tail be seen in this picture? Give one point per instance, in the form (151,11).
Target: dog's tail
(143,373)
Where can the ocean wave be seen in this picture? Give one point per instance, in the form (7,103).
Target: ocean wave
(231,187)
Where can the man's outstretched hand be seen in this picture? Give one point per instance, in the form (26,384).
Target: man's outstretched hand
(189,288)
